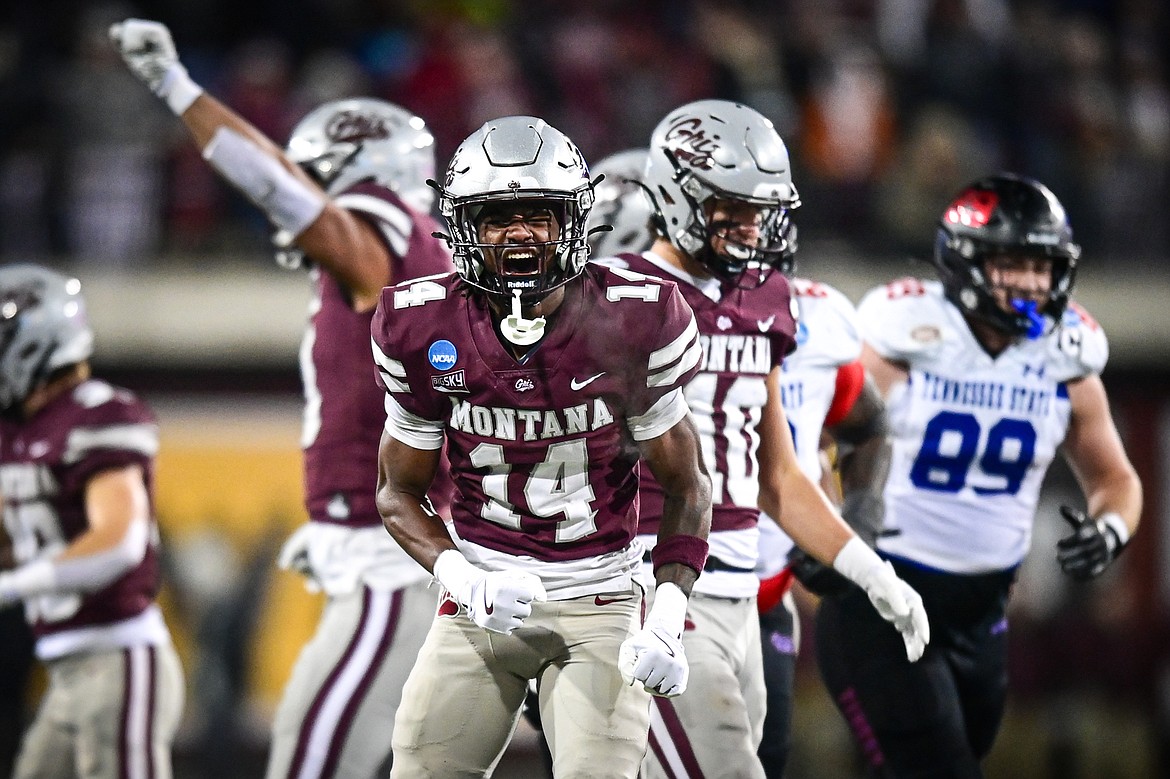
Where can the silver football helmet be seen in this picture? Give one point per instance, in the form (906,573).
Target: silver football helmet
(43,327)
(344,142)
(347,141)
(621,203)
(722,149)
(517,158)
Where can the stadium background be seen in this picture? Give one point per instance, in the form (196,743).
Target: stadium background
(887,107)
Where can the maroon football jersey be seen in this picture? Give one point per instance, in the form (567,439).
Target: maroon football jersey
(542,450)
(45,463)
(744,334)
(344,410)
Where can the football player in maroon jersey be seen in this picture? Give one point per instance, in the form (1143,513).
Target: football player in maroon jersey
(349,199)
(77,480)
(550,383)
(721,187)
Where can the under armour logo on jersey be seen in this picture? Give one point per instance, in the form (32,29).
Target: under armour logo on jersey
(723,323)
(577,385)
(523,385)
(1037,371)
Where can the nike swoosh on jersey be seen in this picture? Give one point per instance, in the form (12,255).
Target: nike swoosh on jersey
(764,324)
(576,385)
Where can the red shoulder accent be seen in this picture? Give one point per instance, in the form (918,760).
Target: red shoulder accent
(1085,316)
(807,288)
(908,287)
(850,380)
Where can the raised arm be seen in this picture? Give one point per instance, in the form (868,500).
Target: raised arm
(344,245)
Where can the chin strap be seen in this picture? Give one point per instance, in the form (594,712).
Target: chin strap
(517,329)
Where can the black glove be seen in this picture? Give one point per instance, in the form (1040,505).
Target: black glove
(817,578)
(1090,549)
(862,510)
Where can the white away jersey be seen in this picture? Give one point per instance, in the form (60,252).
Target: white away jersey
(972,436)
(827,337)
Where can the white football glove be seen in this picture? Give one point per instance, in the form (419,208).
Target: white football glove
(150,54)
(654,655)
(294,556)
(499,601)
(895,600)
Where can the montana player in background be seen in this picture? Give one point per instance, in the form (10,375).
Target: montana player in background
(823,387)
(76,476)
(349,201)
(621,205)
(987,373)
(549,381)
(722,191)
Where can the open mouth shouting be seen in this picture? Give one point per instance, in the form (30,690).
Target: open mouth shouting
(521,260)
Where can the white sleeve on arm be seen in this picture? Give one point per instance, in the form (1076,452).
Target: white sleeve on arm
(80,574)
(660,417)
(412,429)
(287,201)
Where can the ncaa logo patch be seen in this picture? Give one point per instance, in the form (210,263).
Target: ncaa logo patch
(442,355)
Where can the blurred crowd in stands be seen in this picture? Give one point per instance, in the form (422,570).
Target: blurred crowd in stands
(887,105)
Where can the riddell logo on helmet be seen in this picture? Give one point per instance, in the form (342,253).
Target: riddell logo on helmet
(350,126)
(973,208)
(690,142)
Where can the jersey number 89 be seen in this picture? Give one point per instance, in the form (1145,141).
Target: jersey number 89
(951,442)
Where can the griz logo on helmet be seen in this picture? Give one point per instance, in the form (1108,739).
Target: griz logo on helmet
(19,299)
(690,142)
(354,126)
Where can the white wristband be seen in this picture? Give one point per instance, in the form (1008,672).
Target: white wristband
(856,561)
(669,610)
(286,200)
(1113,521)
(178,90)
(456,574)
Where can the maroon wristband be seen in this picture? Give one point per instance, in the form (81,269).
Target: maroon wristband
(691,551)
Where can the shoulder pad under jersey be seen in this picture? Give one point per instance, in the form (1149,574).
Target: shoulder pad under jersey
(828,331)
(1079,346)
(904,318)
